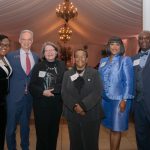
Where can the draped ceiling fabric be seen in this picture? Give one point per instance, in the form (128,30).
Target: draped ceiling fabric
(97,20)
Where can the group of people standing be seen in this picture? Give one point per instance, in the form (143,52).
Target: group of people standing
(17,102)
(126,89)
(86,96)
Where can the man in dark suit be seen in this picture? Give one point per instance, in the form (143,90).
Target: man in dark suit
(19,100)
(141,105)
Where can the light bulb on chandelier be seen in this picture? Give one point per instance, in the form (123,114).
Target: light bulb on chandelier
(66,10)
(65,33)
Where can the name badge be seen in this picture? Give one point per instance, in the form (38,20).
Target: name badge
(1,62)
(136,62)
(74,77)
(42,74)
(103,64)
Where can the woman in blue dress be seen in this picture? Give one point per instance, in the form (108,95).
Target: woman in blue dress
(117,74)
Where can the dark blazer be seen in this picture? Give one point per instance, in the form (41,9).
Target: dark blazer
(4,75)
(142,83)
(3,83)
(19,79)
(90,95)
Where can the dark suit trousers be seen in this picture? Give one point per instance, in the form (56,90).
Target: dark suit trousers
(18,113)
(84,136)
(47,120)
(2,125)
(142,126)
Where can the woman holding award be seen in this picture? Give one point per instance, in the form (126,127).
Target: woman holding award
(45,87)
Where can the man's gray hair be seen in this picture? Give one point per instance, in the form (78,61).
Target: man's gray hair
(24,31)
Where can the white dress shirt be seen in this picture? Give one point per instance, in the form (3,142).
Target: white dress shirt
(23,59)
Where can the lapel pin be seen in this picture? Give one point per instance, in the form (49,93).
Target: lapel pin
(89,79)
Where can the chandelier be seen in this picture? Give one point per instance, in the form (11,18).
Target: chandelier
(65,33)
(66,10)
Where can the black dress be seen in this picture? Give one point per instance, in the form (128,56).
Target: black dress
(47,110)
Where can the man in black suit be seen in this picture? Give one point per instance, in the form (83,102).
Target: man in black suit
(141,105)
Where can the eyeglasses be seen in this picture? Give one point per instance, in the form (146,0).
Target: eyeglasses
(4,45)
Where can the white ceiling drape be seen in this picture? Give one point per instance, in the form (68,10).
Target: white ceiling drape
(96,22)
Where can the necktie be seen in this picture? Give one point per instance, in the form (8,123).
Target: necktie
(28,64)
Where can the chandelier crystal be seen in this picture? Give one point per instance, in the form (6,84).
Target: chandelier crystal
(65,33)
(66,10)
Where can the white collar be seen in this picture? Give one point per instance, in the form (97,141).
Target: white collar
(23,52)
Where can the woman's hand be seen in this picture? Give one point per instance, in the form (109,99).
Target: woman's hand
(122,105)
(48,93)
(78,109)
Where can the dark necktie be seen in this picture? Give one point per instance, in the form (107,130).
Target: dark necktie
(28,64)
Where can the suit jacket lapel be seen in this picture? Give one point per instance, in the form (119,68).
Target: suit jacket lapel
(137,68)
(34,58)
(18,61)
(147,62)
(85,74)
(86,78)
(8,65)
(74,88)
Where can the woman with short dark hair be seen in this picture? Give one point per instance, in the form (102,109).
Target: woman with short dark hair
(81,94)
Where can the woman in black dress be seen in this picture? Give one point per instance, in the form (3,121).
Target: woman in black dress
(45,87)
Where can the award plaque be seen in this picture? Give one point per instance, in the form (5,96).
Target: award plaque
(49,81)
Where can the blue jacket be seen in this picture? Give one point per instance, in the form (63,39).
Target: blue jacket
(117,77)
(18,79)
